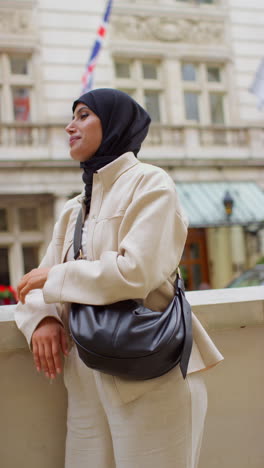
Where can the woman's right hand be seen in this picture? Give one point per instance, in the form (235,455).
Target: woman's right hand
(49,341)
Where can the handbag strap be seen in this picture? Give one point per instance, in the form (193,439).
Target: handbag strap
(187,320)
(77,239)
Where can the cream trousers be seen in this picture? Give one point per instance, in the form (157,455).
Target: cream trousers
(162,428)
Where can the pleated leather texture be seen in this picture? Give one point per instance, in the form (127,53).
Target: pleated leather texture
(129,340)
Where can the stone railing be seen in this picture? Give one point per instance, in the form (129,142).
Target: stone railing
(33,412)
(209,141)
(24,134)
(21,140)
(29,141)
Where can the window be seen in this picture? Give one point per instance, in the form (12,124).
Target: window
(191,103)
(3,220)
(4,269)
(152,105)
(23,223)
(16,84)
(30,257)
(122,70)
(150,71)
(213,74)
(19,65)
(216,108)
(189,72)
(28,219)
(21,104)
(204,93)
(142,80)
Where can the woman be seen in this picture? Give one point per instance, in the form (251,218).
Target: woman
(133,238)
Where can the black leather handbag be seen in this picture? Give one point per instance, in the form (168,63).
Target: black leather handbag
(127,339)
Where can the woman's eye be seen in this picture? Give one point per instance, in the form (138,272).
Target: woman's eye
(83,116)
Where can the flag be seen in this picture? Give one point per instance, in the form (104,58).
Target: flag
(87,79)
(257,87)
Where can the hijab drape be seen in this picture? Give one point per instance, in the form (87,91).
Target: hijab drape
(124,123)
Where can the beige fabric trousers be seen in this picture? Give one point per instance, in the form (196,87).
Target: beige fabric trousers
(162,428)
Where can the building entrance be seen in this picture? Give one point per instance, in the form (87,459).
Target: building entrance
(194,263)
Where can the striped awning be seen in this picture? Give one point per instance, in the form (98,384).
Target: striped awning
(203,203)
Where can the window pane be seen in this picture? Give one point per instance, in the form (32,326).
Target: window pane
(3,220)
(196,276)
(28,219)
(4,270)
(19,65)
(21,104)
(152,105)
(188,72)
(191,106)
(30,257)
(217,108)
(213,74)
(122,70)
(195,251)
(150,71)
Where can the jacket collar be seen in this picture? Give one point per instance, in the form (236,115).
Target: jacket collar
(112,171)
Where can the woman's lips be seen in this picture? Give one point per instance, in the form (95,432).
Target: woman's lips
(73,139)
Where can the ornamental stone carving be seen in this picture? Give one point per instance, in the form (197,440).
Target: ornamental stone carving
(190,30)
(131,27)
(16,21)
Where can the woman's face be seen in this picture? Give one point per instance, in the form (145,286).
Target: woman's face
(85,132)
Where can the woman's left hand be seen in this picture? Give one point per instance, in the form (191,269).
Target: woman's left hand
(35,279)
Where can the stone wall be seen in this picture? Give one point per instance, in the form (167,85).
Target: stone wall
(33,412)
(247,42)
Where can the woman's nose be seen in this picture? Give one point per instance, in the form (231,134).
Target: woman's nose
(70,128)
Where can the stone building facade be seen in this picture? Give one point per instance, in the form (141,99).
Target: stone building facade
(190,63)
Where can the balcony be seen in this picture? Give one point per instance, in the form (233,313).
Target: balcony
(27,141)
(204,142)
(33,414)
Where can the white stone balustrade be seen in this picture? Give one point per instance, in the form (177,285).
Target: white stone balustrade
(49,141)
(33,412)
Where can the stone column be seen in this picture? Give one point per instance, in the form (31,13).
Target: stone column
(261,242)
(219,251)
(59,203)
(238,249)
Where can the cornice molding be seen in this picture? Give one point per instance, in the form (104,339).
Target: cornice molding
(156,50)
(173,9)
(169,162)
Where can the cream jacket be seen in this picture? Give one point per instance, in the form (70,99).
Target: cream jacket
(134,242)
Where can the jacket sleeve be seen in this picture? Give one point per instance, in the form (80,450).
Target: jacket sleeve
(151,241)
(30,314)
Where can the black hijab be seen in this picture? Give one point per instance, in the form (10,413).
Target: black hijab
(124,123)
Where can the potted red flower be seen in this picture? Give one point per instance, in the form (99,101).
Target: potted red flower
(7,295)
